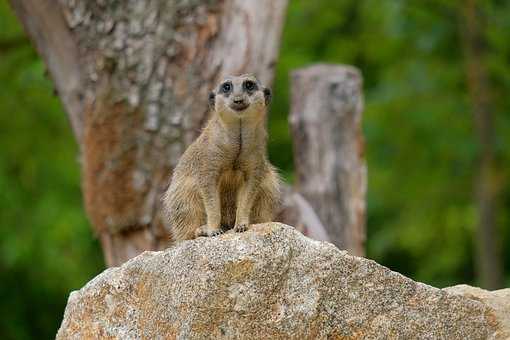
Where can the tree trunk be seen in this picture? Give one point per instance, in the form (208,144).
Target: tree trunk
(325,122)
(489,260)
(133,77)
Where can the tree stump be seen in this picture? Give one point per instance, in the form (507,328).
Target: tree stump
(325,122)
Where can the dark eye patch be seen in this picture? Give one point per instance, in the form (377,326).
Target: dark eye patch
(250,86)
(226,87)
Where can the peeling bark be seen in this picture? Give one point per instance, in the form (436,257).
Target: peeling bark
(46,26)
(134,76)
(330,169)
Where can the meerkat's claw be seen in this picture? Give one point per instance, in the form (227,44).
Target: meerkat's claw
(225,227)
(239,228)
(208,232)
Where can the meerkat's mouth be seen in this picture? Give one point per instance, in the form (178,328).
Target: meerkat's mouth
(239,106)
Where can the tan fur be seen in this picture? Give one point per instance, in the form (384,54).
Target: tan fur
(224,179)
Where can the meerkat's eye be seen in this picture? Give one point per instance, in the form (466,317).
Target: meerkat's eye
(249,85)
(226,87)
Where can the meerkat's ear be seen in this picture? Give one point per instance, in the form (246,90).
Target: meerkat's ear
(212,99)
(267,95)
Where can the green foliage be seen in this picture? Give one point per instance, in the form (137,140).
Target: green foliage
(421,148)
(46,246)
(421,143)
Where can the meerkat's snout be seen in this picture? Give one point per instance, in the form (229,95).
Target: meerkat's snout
(239,103)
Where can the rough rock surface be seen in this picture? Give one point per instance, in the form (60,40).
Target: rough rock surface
(498,300)
(268,283)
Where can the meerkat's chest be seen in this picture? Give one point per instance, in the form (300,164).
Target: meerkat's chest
(239,151)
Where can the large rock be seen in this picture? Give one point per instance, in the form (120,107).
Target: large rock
(268,283)
(498,300)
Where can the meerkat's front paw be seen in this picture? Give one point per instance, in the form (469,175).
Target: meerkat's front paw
(239,228)
(206,231)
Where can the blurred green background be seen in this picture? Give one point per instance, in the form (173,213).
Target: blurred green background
(418,124)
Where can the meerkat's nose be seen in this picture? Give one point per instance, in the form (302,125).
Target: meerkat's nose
(238,100)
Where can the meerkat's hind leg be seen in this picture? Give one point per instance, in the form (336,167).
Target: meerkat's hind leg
(262,210)
(183,224)
(185,210)
(268,199)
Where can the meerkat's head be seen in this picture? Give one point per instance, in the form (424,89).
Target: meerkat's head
(240,97)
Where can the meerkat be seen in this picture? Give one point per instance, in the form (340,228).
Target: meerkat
(224,179)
